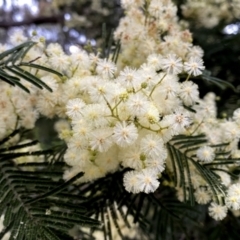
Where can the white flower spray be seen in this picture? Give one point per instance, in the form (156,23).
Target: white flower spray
(120,116)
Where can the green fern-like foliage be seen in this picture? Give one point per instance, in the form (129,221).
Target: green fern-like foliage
(157,216)
(38,204)
(35,201)
(182,150)
(13,67)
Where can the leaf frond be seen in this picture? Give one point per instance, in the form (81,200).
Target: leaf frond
(35,201)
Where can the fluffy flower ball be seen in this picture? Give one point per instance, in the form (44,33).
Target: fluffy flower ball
(124,134)
(206,154)
(217,212)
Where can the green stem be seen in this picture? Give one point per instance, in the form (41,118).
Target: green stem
(157,85)
(197,127)
(117,104)
(189,75)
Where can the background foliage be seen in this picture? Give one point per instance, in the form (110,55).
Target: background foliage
(37,204)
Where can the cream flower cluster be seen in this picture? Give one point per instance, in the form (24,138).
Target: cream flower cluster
(125,120)
(156,30)
(209,13)
(123,116)
(232,202)
(217,132)
(120,116)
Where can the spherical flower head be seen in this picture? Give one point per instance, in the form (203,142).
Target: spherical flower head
(234,189)
(217,212)
(233,197)
(172,64)
(151,117)
(169,86)
(156,8)
(81,128)
(233,202)
(138,104)
(98,91)
(189,93)
(92,172)
(51,82)
(130,182)
(225,178)
(147,180)
(196,51)
(18,37)
(194,66)
(231,131)
(149,77)
(105,90)
(100,139)
(59,62)
(108,161)
(61,124)
(202,196)
(54,49)
(94,114)
(106,68)
(206,154)
(177,121)
(154,60)
(131,157)
(128,78)
(74,107)
(156,164)
(71,157)
(153,146)
(28,121)
(125,134)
